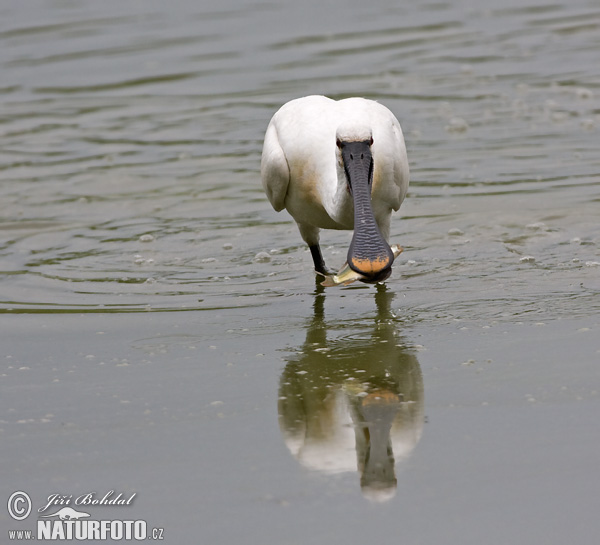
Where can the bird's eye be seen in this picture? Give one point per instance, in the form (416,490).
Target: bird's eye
(371,141)
(338,143)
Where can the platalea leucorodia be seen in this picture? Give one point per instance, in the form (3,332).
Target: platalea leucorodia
(338,165)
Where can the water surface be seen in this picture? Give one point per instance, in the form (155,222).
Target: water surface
(146,348)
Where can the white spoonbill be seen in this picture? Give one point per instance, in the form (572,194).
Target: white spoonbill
(338,165)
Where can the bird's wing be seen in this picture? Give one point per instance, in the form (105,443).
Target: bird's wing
(274,169)
(401,170)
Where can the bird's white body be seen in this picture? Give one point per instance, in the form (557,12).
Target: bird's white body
(302,168)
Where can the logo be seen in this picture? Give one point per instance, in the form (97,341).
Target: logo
(19,505)
(67,513)
(60,518)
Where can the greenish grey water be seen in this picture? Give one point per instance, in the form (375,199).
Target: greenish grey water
(146,349)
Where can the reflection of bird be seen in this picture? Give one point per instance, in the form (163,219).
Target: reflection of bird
(353,403)
(338,165)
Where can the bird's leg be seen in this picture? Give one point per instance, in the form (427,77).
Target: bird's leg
(315,251)
(310,235)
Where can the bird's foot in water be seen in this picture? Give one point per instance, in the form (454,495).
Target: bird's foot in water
(322,278)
